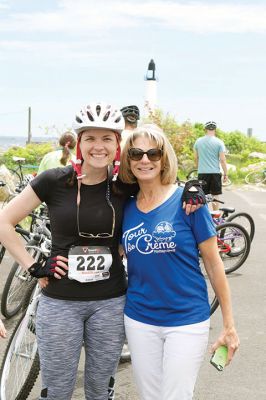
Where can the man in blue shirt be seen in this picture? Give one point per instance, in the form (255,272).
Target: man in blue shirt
(209,154)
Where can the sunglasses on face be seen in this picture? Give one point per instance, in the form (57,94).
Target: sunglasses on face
(152,154)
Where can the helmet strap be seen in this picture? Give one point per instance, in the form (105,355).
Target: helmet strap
(117,159)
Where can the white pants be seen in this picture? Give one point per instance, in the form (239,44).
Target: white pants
(166,360)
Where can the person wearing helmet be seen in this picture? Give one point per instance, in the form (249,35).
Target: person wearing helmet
(131,116)
(60,157)
(84,299)
(209,155)
(84,281)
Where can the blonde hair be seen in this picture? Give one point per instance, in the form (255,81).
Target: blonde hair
(168,161)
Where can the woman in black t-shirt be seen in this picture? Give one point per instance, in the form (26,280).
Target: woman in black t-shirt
(84,283)
(83,301)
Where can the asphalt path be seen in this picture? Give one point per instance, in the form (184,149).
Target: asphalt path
(245,377)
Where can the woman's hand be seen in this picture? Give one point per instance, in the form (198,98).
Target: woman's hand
(2,330)
(62,266)
(43,282)
(193,196)
(230,339)
(54,267)
(190,208)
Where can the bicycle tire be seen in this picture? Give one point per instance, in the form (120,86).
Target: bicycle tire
(20,366)
(245,220)
(2,252)
(228,182)
(15,291)
(234,246)
(255,177)
(125,355)
(193,174)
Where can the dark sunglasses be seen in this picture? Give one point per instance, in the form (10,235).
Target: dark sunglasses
(152,154)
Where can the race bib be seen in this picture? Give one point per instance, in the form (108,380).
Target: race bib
(89,263)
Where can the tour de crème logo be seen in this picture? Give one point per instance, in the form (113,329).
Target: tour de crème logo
(159,241)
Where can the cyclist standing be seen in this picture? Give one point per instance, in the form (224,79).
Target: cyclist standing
(209,153)
(84,304)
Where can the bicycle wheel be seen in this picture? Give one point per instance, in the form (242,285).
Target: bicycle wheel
(193,174)
(2,252)
(233,245)
(125,355)
(15,290)
(213,301)
(227,182)
(20,367)
(255,177)
(245,220)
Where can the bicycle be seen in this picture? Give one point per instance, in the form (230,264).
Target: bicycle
(193,174)
(20,366)
(19,282)
(228,214)
(17,172)
(256,177)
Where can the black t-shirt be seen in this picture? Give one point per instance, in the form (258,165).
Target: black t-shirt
(96,216)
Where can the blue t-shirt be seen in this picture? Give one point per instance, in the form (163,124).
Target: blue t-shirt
(209,149)
(165,283)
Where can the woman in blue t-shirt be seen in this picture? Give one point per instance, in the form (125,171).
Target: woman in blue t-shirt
(167,310)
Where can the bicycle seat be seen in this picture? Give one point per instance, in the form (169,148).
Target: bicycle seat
(18,159)
(227,210)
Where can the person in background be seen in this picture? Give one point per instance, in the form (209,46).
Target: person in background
(209,154)
(61,157)
(167,312)
(131,116)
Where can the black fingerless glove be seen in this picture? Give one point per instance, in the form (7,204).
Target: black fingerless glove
(193,193)
(46,270)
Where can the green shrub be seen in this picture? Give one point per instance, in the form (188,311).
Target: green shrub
(33,153)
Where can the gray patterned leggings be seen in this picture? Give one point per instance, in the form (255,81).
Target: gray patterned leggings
(62,327)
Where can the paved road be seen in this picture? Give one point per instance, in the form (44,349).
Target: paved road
(245,378)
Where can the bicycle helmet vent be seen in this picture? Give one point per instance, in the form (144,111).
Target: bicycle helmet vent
(99,116)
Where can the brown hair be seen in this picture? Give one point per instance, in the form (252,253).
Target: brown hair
(68,142)
(168,160)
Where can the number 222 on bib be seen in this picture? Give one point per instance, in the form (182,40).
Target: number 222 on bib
(89,263)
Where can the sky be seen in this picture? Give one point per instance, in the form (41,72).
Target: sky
(57,56)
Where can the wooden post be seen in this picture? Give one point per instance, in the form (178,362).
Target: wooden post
(29,126)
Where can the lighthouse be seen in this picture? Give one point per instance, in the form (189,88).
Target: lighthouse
(151,89)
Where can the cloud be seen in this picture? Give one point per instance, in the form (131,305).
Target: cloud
(78,17)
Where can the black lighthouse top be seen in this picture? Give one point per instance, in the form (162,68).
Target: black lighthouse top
(151,71)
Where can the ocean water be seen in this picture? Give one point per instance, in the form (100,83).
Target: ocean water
(20,141)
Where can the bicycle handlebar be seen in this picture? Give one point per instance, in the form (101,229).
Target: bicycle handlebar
(210,198)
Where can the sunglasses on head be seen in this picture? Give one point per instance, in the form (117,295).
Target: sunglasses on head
(152,154)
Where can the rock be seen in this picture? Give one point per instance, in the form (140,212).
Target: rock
(256,154)
(6,177)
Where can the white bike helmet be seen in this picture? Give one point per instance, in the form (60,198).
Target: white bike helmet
(98,116)
(101,116)
(210,125)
